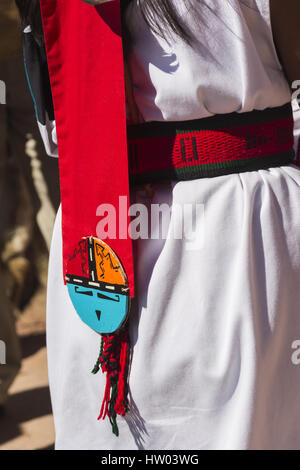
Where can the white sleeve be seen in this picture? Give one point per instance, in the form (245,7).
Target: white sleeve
(48,134)
(263,7)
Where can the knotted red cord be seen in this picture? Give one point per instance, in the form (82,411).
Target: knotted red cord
(114,361)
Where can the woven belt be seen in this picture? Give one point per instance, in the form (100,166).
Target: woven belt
(213,146)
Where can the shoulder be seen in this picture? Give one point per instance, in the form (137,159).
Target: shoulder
(260,6)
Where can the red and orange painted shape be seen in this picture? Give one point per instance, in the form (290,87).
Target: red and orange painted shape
(98,286)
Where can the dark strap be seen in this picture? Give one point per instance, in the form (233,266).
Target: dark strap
(37,75)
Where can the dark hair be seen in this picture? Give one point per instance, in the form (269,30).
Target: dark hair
(30,14)
(161,17)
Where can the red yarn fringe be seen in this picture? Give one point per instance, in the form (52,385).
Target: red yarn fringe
(114,361)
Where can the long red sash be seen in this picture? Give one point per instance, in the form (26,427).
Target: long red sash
(85,60)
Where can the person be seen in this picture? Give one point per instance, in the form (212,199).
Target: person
(20,241)
(27,175)
(213,328)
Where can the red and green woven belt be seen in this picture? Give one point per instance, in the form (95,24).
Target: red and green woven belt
(213,146)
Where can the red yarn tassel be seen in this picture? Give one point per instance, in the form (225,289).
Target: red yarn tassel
(120,402)
(114,359)
(104,407)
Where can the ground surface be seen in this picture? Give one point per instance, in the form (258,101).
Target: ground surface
(28,423)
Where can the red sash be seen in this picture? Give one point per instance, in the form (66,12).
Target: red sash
(85,60)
